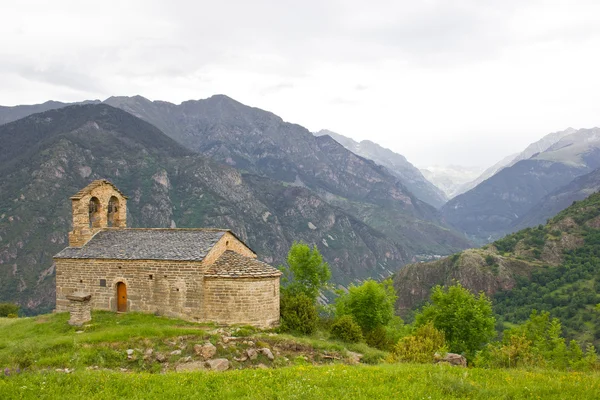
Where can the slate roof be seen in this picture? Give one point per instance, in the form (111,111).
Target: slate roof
(235,265)
(93,185)
(147,244)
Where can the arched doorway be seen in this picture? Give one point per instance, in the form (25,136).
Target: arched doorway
(121,297)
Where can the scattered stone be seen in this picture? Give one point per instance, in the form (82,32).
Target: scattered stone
(161,358)
(123,369)
(218,364)
(354,357)
(267,352)
(176,353)
(129,352)
(148,353)
(206,351)
(252,354)
(262,366)
(250,343)
(186,359)
(191,366)
(241,359)
(452,359)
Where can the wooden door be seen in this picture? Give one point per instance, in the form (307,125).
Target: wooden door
(121,297)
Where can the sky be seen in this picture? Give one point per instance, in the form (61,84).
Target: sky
(441,82)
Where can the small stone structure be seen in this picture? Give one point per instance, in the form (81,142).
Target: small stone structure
(80,308)
(207,275)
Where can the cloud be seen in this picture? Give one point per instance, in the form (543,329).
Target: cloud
(429,79)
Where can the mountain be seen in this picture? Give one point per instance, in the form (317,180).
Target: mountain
(9,114)
(492,208)
(450,178)
(488,173)
(534,148)
(553,203)
(552,267)
(397,164)
(262,143)
(49,156)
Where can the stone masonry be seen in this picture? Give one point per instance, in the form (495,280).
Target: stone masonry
(80,308)
(193,274)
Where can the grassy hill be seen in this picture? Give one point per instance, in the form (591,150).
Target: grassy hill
(44,358)
(553,267)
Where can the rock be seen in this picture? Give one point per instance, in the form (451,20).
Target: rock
(176,352)
(161,358)
(186,359)
(267,352)
(148,354)
(191,366)
(218,364)
(452,359)
(206,351)
(262,366)
(241,359)
(354,357)
(250,343)
(252,354)
(129,352)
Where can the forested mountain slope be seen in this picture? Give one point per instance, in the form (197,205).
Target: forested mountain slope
(48,157)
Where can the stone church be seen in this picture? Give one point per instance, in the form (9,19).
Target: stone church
(195,274)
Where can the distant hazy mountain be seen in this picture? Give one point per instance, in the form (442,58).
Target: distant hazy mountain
(551,204)
(451,178)
(396,163)
(9,114)
(537,147)
(492,208)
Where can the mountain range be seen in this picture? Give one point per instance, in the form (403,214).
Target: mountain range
(500,204)
(214,163)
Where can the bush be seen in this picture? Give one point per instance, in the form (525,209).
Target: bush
(346,330)
(370,304)
(6,309)
(420,347)
(379,338)
(298,314)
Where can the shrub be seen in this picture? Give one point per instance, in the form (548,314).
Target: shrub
(420,347)
(298,313)
(490,260)
(370,304)
(8,308)
(346,330)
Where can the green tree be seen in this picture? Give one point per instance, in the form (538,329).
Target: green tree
(370,304)
(306,271)
(8,309)
(467,321)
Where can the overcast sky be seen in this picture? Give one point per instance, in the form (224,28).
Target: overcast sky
(441,82)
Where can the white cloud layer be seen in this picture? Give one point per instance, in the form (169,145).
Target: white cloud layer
(441,82)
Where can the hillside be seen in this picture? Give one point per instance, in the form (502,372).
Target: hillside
(144,356)
(552,267)
(489,211)
(48,157)
(397,164)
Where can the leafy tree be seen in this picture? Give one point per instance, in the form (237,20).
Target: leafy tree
(306,271)
(370,304)
(467,321)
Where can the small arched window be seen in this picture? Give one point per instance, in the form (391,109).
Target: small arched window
(94,212)
(112,216)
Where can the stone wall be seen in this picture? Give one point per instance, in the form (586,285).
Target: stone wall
(250,301)
(227,242)
(172,288)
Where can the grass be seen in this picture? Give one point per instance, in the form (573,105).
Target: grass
(308,382)
(48,341)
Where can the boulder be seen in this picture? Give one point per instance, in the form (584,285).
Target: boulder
(451,359)
(206,351)
(161,358)
(252,354)
(267,352)
(218,364)
(191,366)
